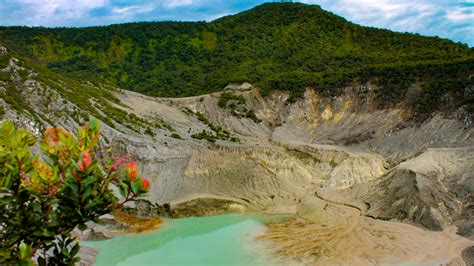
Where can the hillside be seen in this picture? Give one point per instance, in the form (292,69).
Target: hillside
(37,98)
(363,135)
(341,164)
(283,46)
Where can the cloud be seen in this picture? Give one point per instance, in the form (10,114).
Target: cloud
(453,19)
(175,3)
(461,14)
(39,12)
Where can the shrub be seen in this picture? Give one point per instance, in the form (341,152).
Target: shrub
(150,132)
(225,97)
(176,136)
(251,114)
(42,201)
(237,106)
(204,135)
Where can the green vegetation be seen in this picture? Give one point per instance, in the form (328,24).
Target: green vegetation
(150,132)
(176,135)
(209,136)
(236,103)
(217,132)
(44,198)
(225,97)
(93,100)
(277,46)
(251,114)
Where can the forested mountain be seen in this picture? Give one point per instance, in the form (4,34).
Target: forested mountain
(285,46)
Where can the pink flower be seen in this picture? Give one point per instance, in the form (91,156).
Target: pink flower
(145,184)
(118,161)
(132,170)
(85,162)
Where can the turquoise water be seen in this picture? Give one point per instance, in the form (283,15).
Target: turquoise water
(216,240)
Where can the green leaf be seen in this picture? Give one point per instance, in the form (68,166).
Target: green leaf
(25,251)
(8,166)
(82,227)
(135,187)
(87,193)
(93,123)
(89,180)
(75,249)
(73,187)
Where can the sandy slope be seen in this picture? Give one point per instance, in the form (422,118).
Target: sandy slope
(339,235)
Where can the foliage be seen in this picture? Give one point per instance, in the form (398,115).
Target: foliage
(176,135)
(251,114)
(237,106)
(217,132)
(225,97)
(276,46)
(204,135)
(43,198)
(149,132)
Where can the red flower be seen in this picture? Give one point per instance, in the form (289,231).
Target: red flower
(85,162)
(145,184)
(132,170)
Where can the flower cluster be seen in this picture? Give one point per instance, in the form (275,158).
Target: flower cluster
(119,161)
(132,173)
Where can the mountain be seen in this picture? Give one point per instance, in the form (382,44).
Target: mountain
(284,46)
(344,126)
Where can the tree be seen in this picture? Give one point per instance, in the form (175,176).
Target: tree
(44,197)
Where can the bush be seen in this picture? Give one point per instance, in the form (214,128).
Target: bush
(42,201)
(251,114)
(150,132)
(176,136)
(226,97)
(237,106)
(204,135)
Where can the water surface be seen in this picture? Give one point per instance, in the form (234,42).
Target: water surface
(217,240)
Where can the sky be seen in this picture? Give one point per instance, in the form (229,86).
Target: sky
(452,19)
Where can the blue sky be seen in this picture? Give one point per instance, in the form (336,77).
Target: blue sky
(453,19)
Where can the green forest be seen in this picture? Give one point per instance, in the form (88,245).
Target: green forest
(277,46)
